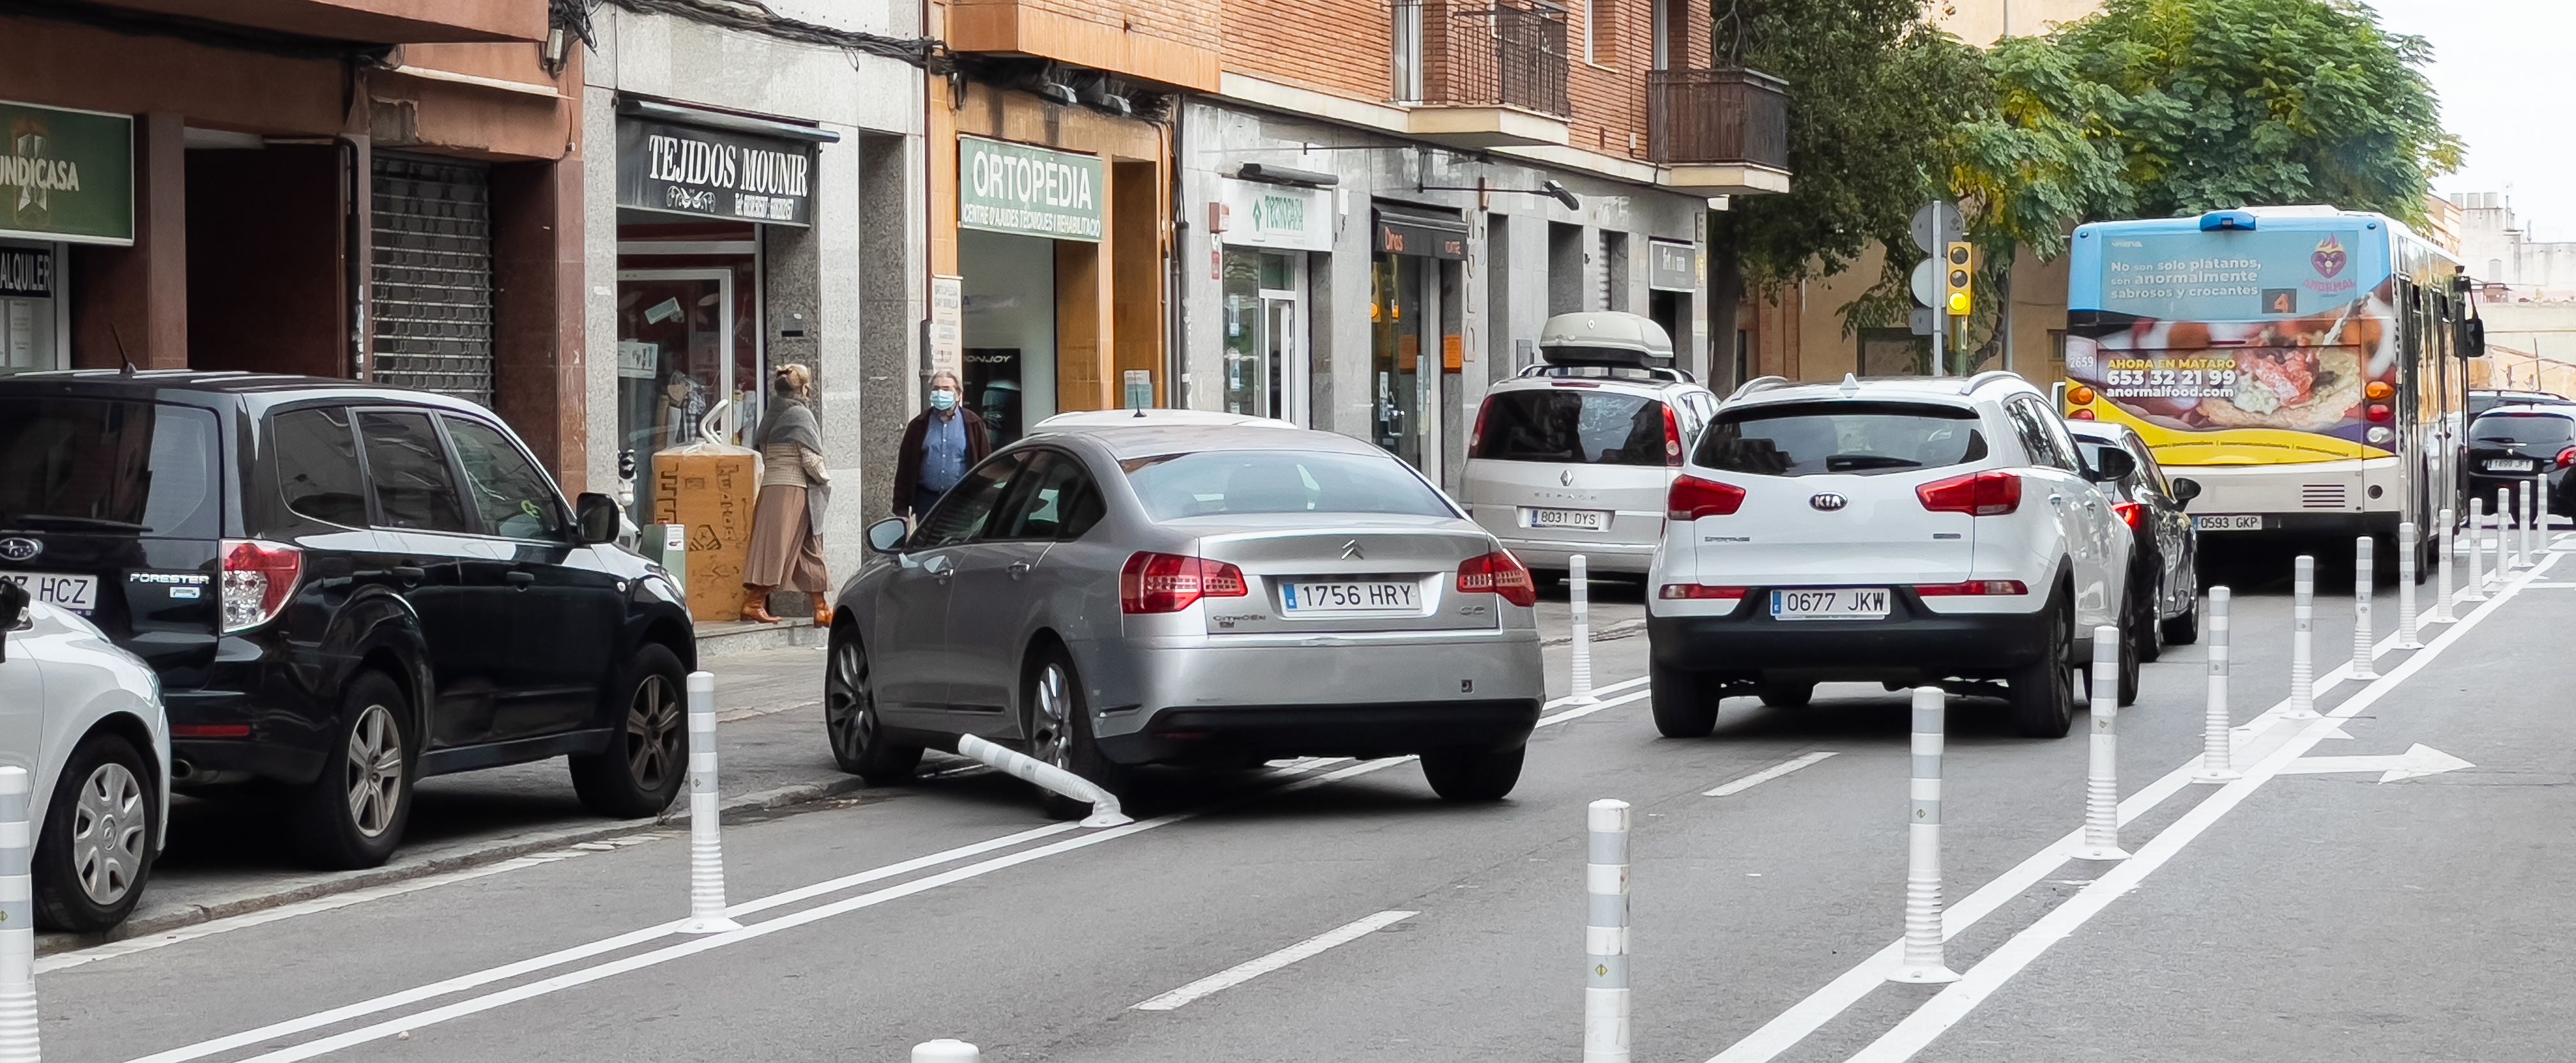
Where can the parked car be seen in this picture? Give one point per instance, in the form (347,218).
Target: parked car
(1108,597)
(84,719)
(2511,444)
(344,588)
(1903,531)
(2483,400)
(2167,553)
(1157,417)
(1575,455)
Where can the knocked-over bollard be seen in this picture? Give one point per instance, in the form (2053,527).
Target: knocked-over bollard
(1922,962)
(18,1037)
(1578,587)
(1605,935)
(2217,756)
(2102,779)
(2406,545)
(706,848)
(2362,585)
(2303,623)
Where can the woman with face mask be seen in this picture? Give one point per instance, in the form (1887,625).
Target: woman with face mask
(938,447)
(786,524)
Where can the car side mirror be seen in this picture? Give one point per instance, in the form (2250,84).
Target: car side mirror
(13,612)
(887,536)
(595,518)
(2185,489)
(2111,465)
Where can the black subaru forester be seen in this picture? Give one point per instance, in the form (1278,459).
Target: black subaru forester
(345,588)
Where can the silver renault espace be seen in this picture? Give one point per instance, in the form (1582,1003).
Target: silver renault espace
(1104,596)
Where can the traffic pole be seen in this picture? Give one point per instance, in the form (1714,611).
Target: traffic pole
(2450,541)
(2102,781)
(706,848)
(1605,936)
(18,1036)
(2508,549)
(1921,963)
(1579,592)
(2303,623)
(945,1050)
(2217,754)
(2362,585)
(2406,545)
(2539,517)
(2476,590)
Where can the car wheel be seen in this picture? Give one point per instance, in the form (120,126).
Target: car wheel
(1059,730)
(1680,702)
(644,769)
(354,815)
(2183,630)
(1788,695)
(850,716)
(2146,630)
(2137,631)
(2042,692)
(1474,775)
(95,852)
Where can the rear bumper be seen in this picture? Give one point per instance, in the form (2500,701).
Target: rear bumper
(279,747)
(1597,556)
(1232,732)
(2484,487)
(1911,645)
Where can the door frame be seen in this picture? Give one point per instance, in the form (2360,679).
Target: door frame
(1280,310)
(724,391)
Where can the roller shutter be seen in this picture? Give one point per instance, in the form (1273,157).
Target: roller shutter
(433,276)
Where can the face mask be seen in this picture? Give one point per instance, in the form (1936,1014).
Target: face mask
(943,400)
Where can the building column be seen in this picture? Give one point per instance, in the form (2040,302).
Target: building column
(130,304)
(540,378)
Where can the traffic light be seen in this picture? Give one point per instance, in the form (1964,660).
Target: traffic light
(1959,277)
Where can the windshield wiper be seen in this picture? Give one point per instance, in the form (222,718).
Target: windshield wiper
(1848,462)
(45,520)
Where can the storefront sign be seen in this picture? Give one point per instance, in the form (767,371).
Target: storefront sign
(1014,188)
(1262,215)
(947,324)
(713,173)
(27,272)
(1673,266)
(66,175)
(1429,235)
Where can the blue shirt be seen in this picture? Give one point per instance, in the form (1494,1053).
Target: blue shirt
(943,451)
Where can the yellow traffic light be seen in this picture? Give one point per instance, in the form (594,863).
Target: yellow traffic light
(1961,277)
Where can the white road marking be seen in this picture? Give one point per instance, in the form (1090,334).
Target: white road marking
(2418,760)
(1765,775)
(1251,969)
(1605,703)
(1936,1016)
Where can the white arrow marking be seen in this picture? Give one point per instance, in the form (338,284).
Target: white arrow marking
(2418,760)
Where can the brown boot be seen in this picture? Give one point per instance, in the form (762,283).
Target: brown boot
(756,607)
(822,611)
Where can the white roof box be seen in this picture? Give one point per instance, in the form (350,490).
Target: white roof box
(1605,337)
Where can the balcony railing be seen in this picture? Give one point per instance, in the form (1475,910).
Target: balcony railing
(1487,53)
(1703,117)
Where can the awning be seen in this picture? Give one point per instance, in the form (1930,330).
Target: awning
(1419,231)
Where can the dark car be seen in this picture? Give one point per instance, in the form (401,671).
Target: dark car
(2168,553)
(2481,401)
(2511,444)
(344,588)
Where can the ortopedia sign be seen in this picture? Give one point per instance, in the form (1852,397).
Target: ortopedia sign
(715,173)
(1015,188)
(66,175)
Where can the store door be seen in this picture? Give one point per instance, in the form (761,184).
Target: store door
(674,364)
(1265,358)
(1405,300)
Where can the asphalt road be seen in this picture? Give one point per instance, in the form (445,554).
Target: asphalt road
(2308,908)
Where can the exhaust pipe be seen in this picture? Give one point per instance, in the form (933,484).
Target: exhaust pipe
(182,770)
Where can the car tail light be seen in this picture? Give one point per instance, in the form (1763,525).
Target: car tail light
(1498,573)
(1692,498)
(1672,438)
(2567,457)
(209,730)
(1169,583)
(1981,494)
(2133,514)
(258,578)
(2379,411)
(1476,436)
(1697,592)
(1972,588)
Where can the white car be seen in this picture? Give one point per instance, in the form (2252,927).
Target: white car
(1902,531)
(84,719)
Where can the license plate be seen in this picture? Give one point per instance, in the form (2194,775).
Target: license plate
(2509,465)
(1578,519)
(1352,596)
(2229,522)
(76,593)
(1836,603)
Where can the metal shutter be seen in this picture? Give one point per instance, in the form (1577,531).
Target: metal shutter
(433,276)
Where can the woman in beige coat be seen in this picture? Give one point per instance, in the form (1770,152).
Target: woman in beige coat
(786,544)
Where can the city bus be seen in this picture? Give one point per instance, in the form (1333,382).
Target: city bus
(2305,365)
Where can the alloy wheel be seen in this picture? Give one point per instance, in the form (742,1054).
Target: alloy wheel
(108,834)
(375,770)
(653,733)
(851,706)
(1049,722)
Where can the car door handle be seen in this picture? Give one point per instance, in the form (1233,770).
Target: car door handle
(521,580)
(410,574)
(1020,568)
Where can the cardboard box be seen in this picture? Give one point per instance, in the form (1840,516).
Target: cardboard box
(711,492)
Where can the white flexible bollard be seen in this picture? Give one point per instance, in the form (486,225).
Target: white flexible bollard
(2217,756)
(1578,586)
(2406,544)
(2102,779)
(2362,584)
(2303,624)
(1605,935)
(1105,810)
(2539,517)
(18,1036)
(2476,590)
(2508,548)
(2450,541)
(1922,963)
(945,1050)
(706,846)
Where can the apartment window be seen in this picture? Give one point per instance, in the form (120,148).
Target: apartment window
(1408,51)
(1594,43)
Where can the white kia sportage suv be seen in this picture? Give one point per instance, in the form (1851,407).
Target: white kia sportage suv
(1902,531)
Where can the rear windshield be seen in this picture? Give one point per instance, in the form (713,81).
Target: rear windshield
(1862,438)
(1213,482)
(2522,428)
(1575,426)
(108,466)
